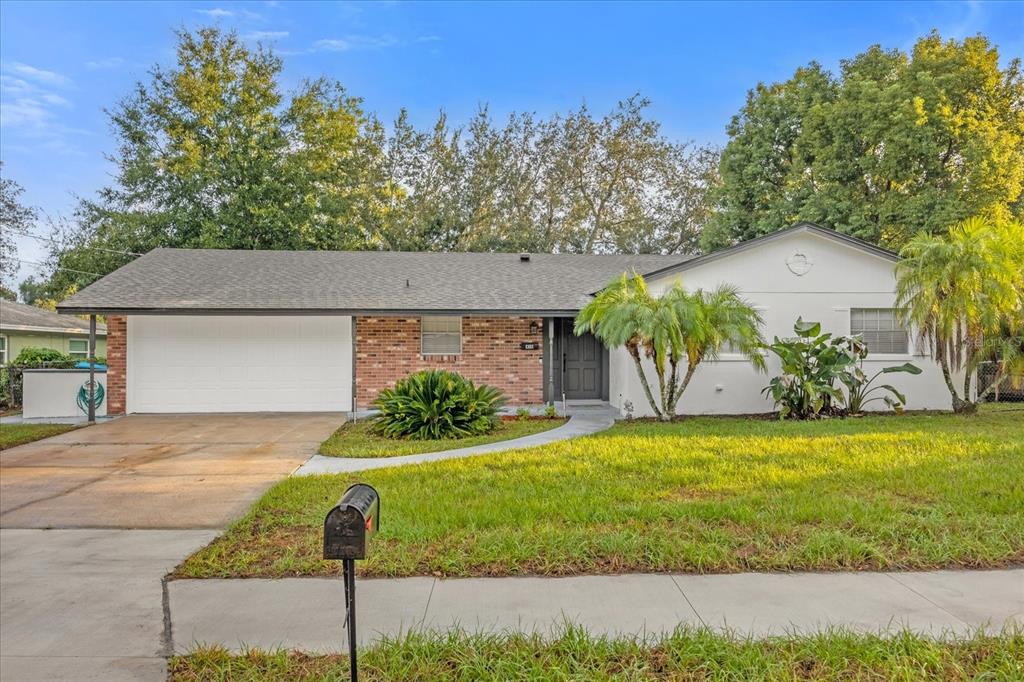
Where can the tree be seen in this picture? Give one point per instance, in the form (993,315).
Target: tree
(894,145)
(671,329)
(964,293)
(15,218)
(211,155)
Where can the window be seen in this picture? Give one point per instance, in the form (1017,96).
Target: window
(3,350)
(441,335)
(78,349)
(881,330)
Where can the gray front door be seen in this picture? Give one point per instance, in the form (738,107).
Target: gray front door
(581,364)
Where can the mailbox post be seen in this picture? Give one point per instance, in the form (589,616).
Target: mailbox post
(348,528)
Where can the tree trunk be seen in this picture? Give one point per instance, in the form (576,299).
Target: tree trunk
(635,354)
(960,406)
(690,369)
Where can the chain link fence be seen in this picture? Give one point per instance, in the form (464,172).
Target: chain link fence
(1009,390)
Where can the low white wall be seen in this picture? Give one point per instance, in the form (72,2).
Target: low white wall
(54,392)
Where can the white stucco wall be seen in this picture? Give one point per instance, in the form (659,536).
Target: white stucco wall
(841,277)
(54,393)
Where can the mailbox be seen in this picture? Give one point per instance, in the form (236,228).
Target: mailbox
(349,526)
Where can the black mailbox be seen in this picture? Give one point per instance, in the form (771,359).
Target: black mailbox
(351,523)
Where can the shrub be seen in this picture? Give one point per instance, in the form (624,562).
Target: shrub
(522,414)
(811,364)
(34,357)
(436,404)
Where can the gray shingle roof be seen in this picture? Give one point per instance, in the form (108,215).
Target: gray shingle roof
(203,280)
(18,316)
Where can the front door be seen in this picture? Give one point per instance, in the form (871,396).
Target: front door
(582,364)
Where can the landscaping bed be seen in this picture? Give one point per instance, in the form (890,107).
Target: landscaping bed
(685,655)
(700,495)
(12,435)
(357,439)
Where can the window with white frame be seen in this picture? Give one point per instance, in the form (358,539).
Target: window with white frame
(440,335)
(78,349)
(881,330)
(3,350)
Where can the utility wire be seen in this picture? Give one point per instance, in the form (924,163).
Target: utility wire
(91,248)
(57,267)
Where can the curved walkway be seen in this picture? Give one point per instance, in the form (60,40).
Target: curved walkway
(583,421)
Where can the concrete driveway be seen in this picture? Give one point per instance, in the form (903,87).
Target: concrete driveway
(148,471)
(132,498)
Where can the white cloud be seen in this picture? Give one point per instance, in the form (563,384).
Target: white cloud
(108,63)
(265,35)
(355,42)
(30,110)
(216,13)
(38,75)
(428,39)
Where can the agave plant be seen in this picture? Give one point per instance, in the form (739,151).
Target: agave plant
(436,404)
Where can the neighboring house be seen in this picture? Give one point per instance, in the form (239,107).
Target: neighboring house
(237,331)
(26,325)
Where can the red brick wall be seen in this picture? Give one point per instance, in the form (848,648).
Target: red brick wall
(388,349)
(117,354)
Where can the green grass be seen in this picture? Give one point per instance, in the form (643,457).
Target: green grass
(19,434)
(702,495)
(356,439)
(685,655)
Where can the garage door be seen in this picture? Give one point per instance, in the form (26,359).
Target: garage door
(239,364)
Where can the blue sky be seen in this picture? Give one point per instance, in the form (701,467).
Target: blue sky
(62,63)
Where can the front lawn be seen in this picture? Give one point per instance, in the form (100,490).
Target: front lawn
(685,655)
(700,495)
(19,434)
(357,439)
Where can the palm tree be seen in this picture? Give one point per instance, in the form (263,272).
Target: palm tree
(669,329)
(964,293)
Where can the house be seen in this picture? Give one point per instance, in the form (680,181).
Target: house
(23,325)
(237,331)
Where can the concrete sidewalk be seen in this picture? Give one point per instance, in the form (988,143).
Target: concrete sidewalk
(87,604)
(306,613)
(583,421)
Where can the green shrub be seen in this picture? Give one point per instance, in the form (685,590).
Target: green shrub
(811,364)
(436,404)
(550,411)
(34,357)
(522,414)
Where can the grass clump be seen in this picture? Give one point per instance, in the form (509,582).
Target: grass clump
(705,495)
(683,655)
(12,435)
(359,439)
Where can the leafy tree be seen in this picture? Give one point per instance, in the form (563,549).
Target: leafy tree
(8,294)
(964,293)
(15,218)
(894,145)
(210,155)
(32,290)
(672,329)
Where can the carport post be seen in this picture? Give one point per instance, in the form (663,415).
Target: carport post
(92,369)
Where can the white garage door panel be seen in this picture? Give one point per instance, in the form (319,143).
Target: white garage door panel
(239,364)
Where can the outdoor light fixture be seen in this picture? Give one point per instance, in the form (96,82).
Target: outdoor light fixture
(534,328)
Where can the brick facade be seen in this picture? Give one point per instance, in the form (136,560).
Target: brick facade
(388,349)
(117,357)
